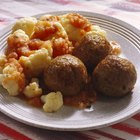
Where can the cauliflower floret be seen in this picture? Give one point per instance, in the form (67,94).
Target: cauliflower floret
(12,78)
(33,90)
(75,25)
(35,63)
(17,44)
(17,39)
(13,83)
(2,77)
(49,18)
(46,30)
(53,101)
(9,69)
(26,24)
(74,33)
(48,45)
(20,34)
(61,31)
(45,17)
(3,61)
(98,30)
(36,44)
(116,48)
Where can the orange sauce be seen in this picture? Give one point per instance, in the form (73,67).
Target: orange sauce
(82,100)
(36,102)
(61,46)
(44,29)
(79,21)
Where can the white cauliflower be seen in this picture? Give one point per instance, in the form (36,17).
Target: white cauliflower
(17,39)
(46,30)
(53,101)
(116,48)
(98,30)
(48,45)
(48,18)
(2,77)
(35,63)
(75,26)
(9,69)
(61,31)
(12,78)
(73,32)
(33,90)
(3,61)
(10,82)
(20,34)
(26,24)
(45,17)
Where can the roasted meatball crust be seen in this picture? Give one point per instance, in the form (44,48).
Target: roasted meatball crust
(67,74)
(92,49)
(114,76)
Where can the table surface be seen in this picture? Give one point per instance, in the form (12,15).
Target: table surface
(126,10)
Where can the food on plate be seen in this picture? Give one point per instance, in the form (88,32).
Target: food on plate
(49,18)
(52,101)
(114,76)
(64,44)
(36,44)
(3,61)
(34,64)
(45,30)
(26,24)
(53,31)
(63,60)
(15,41)
(32,90)
(82,100)
(67,74)
(116,48)
(92,49)
(75,25)
(98,30)
(12,77)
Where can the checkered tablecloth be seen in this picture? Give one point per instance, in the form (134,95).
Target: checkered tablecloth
(126,10)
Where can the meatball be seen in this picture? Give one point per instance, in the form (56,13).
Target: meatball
(66,74)
(92,49)
(114,76)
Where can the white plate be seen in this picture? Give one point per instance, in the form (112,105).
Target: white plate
(105,112)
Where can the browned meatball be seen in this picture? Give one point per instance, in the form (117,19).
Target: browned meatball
(92,49)
(114,76)
(67,74)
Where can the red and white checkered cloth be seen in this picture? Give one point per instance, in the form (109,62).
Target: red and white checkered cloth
(127,10)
